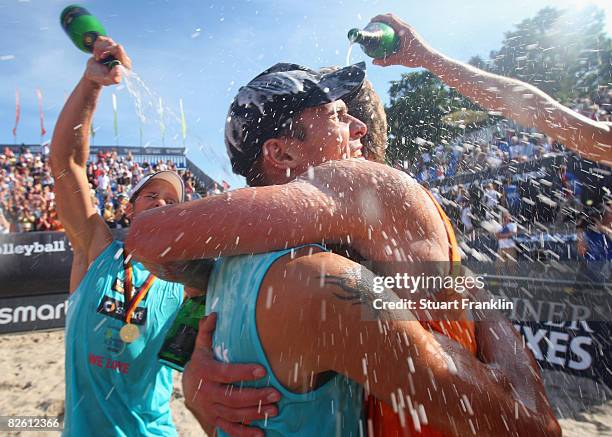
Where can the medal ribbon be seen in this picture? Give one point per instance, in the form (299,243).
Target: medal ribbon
(132,302)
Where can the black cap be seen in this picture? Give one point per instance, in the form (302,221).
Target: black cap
(268,104)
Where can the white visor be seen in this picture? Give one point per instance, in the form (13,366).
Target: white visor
(166,175)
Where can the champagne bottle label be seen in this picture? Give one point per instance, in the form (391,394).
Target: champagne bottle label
(82,27)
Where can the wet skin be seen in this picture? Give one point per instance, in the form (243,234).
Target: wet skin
(381,212)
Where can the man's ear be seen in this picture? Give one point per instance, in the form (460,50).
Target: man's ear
(278,153)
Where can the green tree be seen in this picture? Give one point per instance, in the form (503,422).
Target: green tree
(565,53)
(418,115)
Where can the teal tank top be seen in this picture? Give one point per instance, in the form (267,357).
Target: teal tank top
(115,388)
(333,409)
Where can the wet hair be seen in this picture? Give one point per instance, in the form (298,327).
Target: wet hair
(367,107)
(293,130)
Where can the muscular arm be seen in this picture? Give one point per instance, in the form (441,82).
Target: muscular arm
(519,101)
(242,221)
(69,154)
(502,348)
(396,359)
(79,265)
(70,151)
(369,206)
(528,106)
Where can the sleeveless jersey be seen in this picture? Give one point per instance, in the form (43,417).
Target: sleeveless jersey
(115,388)
(334,409)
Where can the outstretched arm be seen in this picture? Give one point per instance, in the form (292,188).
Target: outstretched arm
(231,223)
(366,205)
(519,101)
(70,151)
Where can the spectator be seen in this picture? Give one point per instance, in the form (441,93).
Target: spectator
(462,195)
(109,215)
(491,199)
(516,149)
(27,155)
(26,219)
(123,180)
(56,225)
(120,219)
(103,182)
(45,151)
(511,198)
(494,158)
(505,238)
(215,189)
(466,220)
(594,234)
(43,223)
(504,147)
(5,226)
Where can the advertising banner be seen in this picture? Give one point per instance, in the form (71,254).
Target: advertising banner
(562,309)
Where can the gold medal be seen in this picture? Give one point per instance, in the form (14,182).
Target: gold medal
(129,333)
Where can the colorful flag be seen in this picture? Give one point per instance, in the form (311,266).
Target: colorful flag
(115,122)
(162,126)
(225,185)
(17,113)
(183,122)
(40,112)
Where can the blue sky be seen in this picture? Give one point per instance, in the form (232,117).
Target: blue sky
(203,51)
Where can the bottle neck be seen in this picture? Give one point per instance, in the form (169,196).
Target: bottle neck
(369,38)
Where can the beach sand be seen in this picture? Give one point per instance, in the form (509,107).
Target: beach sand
(32,384)
(32,381)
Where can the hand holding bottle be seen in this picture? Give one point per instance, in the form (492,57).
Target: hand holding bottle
(98,72)
(413,50)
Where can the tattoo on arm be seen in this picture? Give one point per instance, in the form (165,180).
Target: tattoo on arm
(358,289)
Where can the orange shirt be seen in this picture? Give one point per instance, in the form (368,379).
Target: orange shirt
(385,422)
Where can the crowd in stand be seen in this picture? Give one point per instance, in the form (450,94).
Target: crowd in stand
(598,108)
(544,197)
(502,144)
(27,200)
(548,197)
(571,210)
(511,192)
(487,148)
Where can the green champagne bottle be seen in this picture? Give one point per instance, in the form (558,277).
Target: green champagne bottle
(180,340)
(377,40)
(83,29)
